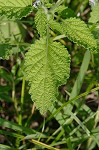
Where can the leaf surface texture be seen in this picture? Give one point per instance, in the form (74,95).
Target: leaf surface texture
(78,32)
(47,65)
(15,8)
(41,22)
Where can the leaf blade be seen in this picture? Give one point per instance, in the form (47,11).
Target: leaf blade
(78,32)
(47,72)
(41,22)
(16,9)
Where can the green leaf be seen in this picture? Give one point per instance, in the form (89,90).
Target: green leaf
(5,147)
(94,14)
(95,32)
(5,51)
(67,13)
(5,75)
(15,8)
(59,9)
(55,26)
(78,32)
(19,128)
(12,134)
(5,96)
(41,22)
(47,66)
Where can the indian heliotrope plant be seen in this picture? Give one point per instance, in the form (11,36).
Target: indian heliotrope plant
(47,62)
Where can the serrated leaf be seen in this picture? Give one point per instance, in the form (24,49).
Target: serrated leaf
(78,32)
(55,26)
(47,66)
(94,14)
(15,3)
(15,8)
(41,22)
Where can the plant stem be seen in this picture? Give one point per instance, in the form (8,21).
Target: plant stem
(21,109)
(22,101)
(43,145)
(13,97)
(54,35)
(29,118)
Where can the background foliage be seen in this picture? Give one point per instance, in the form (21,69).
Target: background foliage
(66,29)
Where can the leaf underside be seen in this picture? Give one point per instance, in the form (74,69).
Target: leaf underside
(78,32)
(15,8)
(56,26)
(47,66)
(41,22)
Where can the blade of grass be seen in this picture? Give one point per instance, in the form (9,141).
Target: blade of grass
(43,145)
(81,75)
(16,127)
(73,131)
(4,147)
(24,138)
(94,137)
(58,136)
(22,101)
(69,144)
(12,134)
(69,102)
(80,123)
(85,121)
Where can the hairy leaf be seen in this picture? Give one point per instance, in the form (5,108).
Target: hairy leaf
(94,14)
(55,26)
(47,65)
(15,8)
(41,22)
(78,32)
